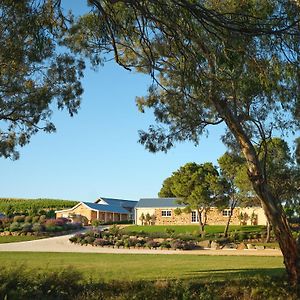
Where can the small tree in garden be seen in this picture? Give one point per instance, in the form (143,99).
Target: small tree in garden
(142,218)
(199,187)
(147,219)
(153,219)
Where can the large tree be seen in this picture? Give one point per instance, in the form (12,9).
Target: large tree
(35,72)
(205,74)
(199,187)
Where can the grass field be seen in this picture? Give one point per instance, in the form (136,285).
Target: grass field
(192,228)
(18,238)
(109,267)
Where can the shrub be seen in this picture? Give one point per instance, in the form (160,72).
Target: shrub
(19,219)
(114,230)
(165,244)
(15,226)
(119,243)
(28,219)
(35,219)
(89,239)
(26,227)
(96,223)
(51,228)
(152,244)
(242,236)
(42,219)
(101,242)
(36,227)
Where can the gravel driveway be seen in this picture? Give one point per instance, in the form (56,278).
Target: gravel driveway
(62,244)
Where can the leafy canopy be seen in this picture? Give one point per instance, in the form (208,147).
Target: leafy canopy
(196,185)
(35,72)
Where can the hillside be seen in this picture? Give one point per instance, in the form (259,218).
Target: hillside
(22,205)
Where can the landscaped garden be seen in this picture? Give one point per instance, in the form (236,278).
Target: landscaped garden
(129,276)
(175,237)
(20,226)
(30,219)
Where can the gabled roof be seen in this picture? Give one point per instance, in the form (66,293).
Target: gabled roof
(118,202)
(159,202)
(107,208)
(98,207)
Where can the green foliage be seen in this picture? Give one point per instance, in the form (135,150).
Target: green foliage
(68,283)
(36,74)
(33,206)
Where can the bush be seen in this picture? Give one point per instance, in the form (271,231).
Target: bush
(119,243)
(15,226)
(36,227)
(35,219)
(26,227)
(89,240)
(96,223)
(42,219)
(76,238)
(101,242)
(152,244)
(114,230)
(51,228)
(19,219)
(28,219)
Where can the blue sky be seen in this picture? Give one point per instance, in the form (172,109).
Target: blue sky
(96,153)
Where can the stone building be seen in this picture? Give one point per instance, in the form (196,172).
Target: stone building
(167,211)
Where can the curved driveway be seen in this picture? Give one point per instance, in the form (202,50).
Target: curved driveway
(62,244)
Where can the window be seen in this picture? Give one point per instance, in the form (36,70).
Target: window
(195,217)
(166,213)
(226,213)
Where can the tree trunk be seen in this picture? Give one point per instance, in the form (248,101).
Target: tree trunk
(201,224)
(268,237)
(270,204)
(229,219)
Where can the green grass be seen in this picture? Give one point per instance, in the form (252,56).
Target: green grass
(212,229)
(18,238)
(135,267)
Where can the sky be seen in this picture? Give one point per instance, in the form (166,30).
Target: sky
(96,153)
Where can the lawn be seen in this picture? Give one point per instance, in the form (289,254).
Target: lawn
(210,229)
(18,238)
(109,267)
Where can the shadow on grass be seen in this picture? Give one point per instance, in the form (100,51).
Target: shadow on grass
(231,274)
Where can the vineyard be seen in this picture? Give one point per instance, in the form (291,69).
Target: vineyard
(15,205)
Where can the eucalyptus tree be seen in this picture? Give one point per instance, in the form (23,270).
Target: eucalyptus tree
(204,74)
(35,73)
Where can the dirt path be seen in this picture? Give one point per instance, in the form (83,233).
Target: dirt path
(62,244)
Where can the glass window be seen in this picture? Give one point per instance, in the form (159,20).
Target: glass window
(195,217)
(226,212)
(166,213)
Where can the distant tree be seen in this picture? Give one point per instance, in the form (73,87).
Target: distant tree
(166,189)
(199,187)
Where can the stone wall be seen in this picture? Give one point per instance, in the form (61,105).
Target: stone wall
(214,216)
(181,219)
